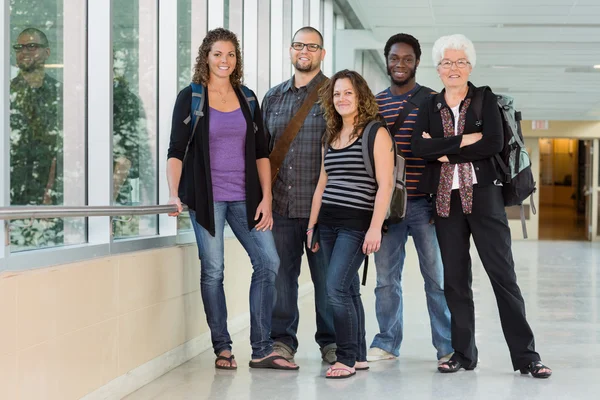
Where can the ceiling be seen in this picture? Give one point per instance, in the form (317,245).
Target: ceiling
(541,52)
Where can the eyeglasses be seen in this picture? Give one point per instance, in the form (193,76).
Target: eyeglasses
(447,64)
(312,47)
(28,46)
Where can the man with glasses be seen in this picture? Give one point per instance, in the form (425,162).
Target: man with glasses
(399,105)
(36,139)
(298,144)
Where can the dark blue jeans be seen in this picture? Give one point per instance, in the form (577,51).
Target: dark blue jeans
(290,241)
(263,256)
(342,249)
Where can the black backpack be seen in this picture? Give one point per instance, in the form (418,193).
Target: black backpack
(517,183)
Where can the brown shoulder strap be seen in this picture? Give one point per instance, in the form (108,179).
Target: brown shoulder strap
(291,130)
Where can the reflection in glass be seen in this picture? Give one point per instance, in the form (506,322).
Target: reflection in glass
(184,69)
(134,113)
(37,128)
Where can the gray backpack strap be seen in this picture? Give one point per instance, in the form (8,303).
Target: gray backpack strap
(366,154)
(523,224)
(199,111)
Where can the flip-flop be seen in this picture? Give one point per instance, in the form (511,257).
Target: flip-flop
(361,369)
(269,363)
(228,359)
(331,369)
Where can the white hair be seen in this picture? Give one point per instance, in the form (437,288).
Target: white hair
(453,42)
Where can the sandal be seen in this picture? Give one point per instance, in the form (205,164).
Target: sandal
(331,369)
(452,366)
(535,368)
(269,363)
(228,359)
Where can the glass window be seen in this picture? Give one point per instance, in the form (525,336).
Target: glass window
(184,68)
(47,118)
(134,113)
(226,14)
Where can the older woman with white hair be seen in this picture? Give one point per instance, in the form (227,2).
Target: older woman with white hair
(463,177)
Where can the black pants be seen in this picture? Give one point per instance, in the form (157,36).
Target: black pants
(489,226)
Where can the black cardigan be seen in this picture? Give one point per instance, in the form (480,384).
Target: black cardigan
(480,154)
(195,187)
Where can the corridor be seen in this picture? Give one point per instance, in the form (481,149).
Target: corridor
(561,285)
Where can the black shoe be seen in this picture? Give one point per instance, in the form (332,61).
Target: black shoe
(534,369)
(452,366)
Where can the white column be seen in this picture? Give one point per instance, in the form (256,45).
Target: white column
(199,27)
(287,39)
(236,19)
(216,14)
(340,22)
(167,87)
(251,45)
(74,97)
(328,37)
(276,41)
(297,15)
(595,188)
(264,48)
(100,113)
(315,14)
(4,124)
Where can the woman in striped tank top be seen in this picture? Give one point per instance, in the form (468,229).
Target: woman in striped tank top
(350,207)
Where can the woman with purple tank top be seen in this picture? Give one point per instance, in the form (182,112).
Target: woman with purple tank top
(226,176)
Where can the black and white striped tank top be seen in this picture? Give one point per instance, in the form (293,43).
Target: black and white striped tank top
(348,184)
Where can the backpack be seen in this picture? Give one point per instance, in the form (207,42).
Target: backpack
(196,112)
(397,209)
(518,183)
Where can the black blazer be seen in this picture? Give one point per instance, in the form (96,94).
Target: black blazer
(195,187)
(480,154)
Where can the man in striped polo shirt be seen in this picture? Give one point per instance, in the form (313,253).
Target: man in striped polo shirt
(402,53)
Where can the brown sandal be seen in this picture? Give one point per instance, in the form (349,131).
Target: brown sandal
(228,359)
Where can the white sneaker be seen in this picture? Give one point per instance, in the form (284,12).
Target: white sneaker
(377,354)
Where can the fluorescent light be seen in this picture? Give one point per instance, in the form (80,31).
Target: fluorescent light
(597,66)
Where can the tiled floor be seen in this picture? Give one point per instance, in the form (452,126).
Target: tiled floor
(561,285)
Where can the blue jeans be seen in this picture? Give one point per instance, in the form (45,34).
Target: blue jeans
(265,262)
(389,262)
(290,241)
(342,249)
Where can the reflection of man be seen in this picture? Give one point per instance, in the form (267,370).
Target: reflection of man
(36,124)
(36,135)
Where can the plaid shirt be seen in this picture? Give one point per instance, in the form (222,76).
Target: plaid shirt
(297,179)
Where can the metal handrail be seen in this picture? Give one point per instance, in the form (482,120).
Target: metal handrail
(33,212)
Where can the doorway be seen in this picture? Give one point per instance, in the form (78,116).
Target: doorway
(565,176)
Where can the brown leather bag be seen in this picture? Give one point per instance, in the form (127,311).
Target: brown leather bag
(291,130)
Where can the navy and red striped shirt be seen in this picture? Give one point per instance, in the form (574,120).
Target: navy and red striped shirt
(389,108)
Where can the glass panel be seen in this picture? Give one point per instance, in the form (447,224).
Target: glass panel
(47,118)
(598,226)
(184,69)
(134,113)
(226,14)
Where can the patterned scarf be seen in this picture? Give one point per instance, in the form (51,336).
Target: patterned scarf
(465,173)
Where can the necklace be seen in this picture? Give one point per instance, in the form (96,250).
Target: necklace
(223,99)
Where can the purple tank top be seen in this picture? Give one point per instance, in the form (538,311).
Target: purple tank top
(227,141)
